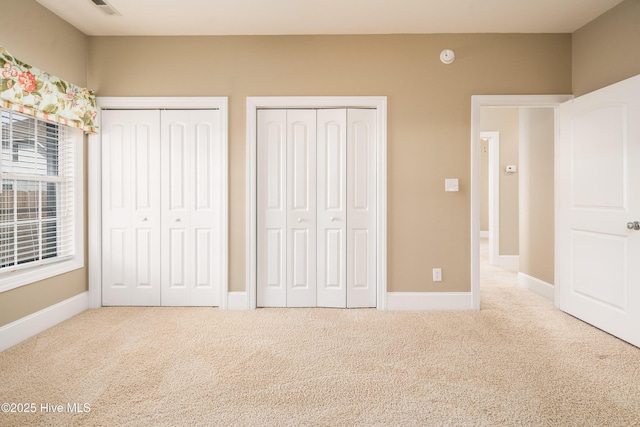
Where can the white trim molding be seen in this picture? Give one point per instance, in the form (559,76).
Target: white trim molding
(18,331)
(433,301)
(95,181)
(477,102)
(237,300)
(536,286)
(379,103)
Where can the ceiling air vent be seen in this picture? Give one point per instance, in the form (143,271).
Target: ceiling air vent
(105,7)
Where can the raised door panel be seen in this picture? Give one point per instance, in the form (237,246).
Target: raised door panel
(272,208)
(116,261)
(361,208)
(598,156)
(130,208)
(331,208)
(598,166)
(301,208)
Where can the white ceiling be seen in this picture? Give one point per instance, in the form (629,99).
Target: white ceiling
(262,17)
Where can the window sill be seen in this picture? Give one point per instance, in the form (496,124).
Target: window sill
(15,279)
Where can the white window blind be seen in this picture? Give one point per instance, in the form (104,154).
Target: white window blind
(37,221)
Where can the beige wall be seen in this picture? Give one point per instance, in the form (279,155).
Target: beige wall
(505,121)
(41,39)
(606,51)
(536,193)
(428,123)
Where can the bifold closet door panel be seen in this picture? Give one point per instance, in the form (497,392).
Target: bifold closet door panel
(286,227)
(130,207)
(332,207)
(272,208)
(301,208)
(361,208)
(316,201)
(190,208)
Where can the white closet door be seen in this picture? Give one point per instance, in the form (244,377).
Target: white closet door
(191,217)
(316,229)
(361,208)
(286,199)
(130,207)
(301,211)
(332,208)
(272,217)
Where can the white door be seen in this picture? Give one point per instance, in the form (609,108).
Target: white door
(190,207)
(598,174)
(301,208)
(361,208)
(332,208)
(286,195)
(272,199)
(130,207)
(161,207)
(316,200)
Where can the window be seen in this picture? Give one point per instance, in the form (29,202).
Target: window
(40,199)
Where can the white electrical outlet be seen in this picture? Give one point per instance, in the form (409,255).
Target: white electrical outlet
(437,275)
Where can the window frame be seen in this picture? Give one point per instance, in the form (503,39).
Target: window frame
(30,274)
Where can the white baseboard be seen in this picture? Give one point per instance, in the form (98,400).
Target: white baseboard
(237,301)
(484,234)
(433,301)
(419,301)
(508,262)
(536,286)
(33,324)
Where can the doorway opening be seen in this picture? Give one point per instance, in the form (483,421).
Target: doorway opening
(479,102)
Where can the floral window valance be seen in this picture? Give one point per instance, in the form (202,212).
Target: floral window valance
(33,92)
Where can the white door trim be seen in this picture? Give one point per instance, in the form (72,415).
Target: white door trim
(95,180)
(477,102)
(379,103)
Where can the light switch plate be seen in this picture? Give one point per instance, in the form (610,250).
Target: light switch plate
(451,184)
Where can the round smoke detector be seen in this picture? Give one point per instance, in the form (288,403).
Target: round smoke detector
(447,56)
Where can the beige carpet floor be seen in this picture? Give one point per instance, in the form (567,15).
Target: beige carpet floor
(517,362)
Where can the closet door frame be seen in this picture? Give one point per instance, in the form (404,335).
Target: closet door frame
(379,103)
(94,172)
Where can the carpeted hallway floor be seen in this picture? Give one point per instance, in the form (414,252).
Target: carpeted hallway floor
(517,362)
